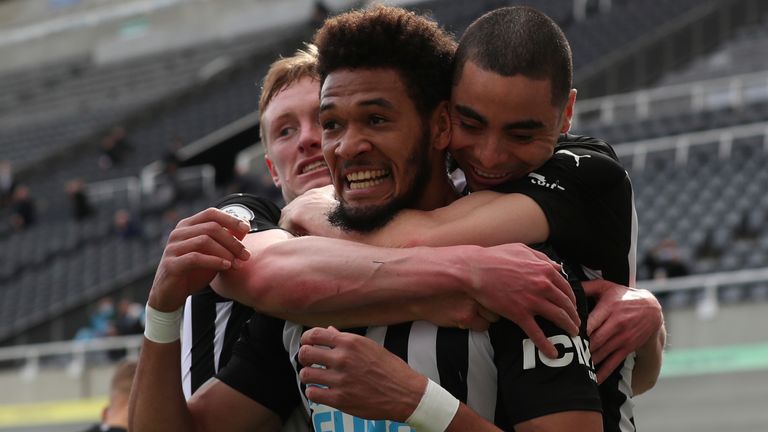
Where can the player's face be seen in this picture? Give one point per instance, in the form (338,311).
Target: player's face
(375,145)
(503,127)
(295,158)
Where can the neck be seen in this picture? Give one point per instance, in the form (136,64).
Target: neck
(439,191)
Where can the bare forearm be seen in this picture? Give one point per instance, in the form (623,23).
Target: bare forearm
(648,362)
(319,275)
(157,402)
(466,419)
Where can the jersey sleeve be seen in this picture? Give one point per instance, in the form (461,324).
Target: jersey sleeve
(586,196)
(260,368)
(260,212)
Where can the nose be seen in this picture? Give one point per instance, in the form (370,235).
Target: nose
(310,137)
(489,152)
(351,144)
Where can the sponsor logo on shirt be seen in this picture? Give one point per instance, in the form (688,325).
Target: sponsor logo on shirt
(239,211)
(328,419)
(575,156)
(574,349)
(540,180)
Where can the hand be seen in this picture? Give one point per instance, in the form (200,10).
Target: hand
(623,320)
(362,378)
(457,310)
(519,283)
(308,213)
(198,248)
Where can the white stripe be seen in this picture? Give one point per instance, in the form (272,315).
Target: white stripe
(377,334)
(482,376)
(291,342)
(422,349)
(625,386)
(223,312)
(633,244)
(186,349)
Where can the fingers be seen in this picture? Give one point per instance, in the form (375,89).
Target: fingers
(605,346)
(320,336)
(609,365)
(209,237)
(197,261)
(559,316)
(532,329)
(562,284)
(235,225)
(596,318)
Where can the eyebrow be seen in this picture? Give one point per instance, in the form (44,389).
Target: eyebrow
(380,102)
(528,124)
(469,112)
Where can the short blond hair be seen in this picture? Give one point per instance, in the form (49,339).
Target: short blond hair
(283,73)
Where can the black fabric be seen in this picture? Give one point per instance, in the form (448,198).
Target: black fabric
(586,196)
(259,367)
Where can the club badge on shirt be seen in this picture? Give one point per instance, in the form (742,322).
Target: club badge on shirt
(239,211)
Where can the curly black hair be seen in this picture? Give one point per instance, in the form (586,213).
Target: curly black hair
(390,37)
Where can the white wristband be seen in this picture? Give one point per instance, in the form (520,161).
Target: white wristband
(162,327)
(435,410)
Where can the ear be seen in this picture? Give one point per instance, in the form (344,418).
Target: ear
(440,126)
(272,170)
(568,111)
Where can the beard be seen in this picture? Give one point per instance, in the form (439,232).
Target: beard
(369,218)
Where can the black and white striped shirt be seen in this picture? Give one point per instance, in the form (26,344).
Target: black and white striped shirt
(212,323)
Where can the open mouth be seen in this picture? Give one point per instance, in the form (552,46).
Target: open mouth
(489,175)
(314,166)
(365,179)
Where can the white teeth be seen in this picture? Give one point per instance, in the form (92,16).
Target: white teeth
(366,179)
(365,184)
(488,174)
(313,166)
(366,175)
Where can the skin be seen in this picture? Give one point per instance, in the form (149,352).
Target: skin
(293,135)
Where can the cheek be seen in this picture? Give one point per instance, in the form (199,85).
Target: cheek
(459,139)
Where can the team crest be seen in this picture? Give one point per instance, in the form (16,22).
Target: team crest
(239,211)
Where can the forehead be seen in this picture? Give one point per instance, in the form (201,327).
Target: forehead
(486,90)
(357,86)
(302,95)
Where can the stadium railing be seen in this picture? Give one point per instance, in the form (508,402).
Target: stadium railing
(724,137)
(733,91)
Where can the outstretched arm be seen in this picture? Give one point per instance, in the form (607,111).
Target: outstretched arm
(483,218)
(311,276)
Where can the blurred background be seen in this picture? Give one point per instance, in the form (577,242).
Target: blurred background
(120,117)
